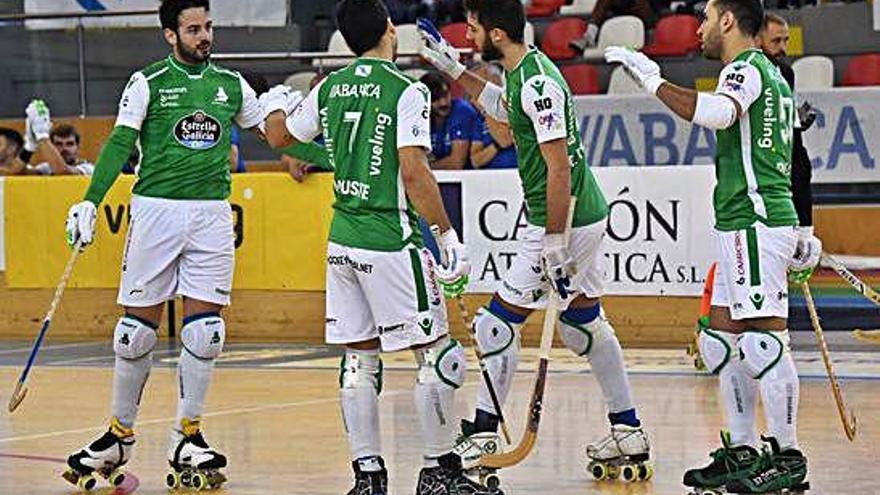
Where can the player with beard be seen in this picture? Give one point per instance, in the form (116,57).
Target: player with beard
(539,107)
(180,239)
(756,243)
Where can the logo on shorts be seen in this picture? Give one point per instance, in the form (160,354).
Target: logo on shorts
(427,325)
(757,300)
(390,328)
(222,292)
(135,292)
(198,131)
(740,259)
(537,294)
(536,269)
(782,295)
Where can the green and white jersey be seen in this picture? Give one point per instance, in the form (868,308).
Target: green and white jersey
(541,109)
(753,157)
(366,112)
(185,115)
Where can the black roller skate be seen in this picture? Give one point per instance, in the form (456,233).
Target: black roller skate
(194,464)
(728,463)
(449,479)
(371,482)
(104,457)
(470,447)
(625,453)
(779,472)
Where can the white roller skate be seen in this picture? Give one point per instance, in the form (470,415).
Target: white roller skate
(470,447)
(193,463)
(104,457)
(623,454)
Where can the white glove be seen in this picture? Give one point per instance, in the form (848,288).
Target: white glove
(280,97)
(455,270)
(806,255)
(559,267)
(38,119)
(30,142)
(80,225)
(642,69)
(437,51)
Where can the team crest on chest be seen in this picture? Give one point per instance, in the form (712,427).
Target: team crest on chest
(221,98)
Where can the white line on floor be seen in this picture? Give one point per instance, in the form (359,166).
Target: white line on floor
(49,347)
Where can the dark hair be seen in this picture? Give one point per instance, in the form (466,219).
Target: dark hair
(12,135)
(169,12)
(749,14)
(506,15)
(256,81)
(770,17)
(362,23)
(436,83)
(64,130)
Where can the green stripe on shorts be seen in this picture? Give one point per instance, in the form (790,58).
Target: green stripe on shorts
(419,276)
(754,257)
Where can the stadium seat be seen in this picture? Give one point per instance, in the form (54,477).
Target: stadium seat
(544,8)
(625,30)
(336,46)
(583,79)
(674,36)
(812,73)
(559,33)
(300,81)
(622,84)
(863,70)
(578,7)
(456,34)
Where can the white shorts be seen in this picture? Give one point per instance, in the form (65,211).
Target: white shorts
(525,285)
(177,247)
(752,274)
(393,295)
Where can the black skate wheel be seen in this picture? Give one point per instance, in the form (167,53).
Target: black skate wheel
(493,482)
(172,480)
(116,477)
(87,482)
(598,470)
(198,481)
(629,473)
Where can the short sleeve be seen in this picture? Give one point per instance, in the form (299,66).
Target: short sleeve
(304,123)
(251,112)
(413,117)
(740,81)
(134,102)
(543,100)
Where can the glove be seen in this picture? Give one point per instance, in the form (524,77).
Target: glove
(30,142)
(642,69)
(437,51)
(806,256)
(559,267)
(80,225)
(38,119)
(280,97)
(453,273)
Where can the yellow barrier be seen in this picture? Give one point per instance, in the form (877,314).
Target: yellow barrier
(281,231)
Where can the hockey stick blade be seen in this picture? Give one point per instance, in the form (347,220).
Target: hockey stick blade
(860,286)
(870,336)
(18,395)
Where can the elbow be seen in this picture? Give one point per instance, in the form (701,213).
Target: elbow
(276,133)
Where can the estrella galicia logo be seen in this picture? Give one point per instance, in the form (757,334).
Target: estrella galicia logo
(198,131)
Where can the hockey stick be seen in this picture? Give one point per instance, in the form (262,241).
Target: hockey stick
(435,231)
(870,336)
(860,286)
(536,404)
(849,422)
(21,390)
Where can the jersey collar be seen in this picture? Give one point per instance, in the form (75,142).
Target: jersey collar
(531,51)
(191,71)
(375,60)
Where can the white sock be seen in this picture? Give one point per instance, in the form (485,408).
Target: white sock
(129,378)
(739,395)
(193,378)
(435,396)
(360,402)
(606,359)
(780,394)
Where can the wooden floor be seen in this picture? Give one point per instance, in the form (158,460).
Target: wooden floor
(281,429)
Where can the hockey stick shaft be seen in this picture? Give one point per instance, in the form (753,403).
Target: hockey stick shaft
(848,420)
(864,289)
(20,390)
(484,370)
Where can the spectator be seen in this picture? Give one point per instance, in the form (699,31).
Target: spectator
(11,144)
(646,10)
(407,11)
(61,152)
(492,142)
(452,124)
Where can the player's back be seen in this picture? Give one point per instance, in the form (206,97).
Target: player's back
(362,110)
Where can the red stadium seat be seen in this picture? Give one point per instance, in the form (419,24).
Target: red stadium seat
(863,70)
(456,34)
(674,36)
(544,8)
(558,34)
(583,79)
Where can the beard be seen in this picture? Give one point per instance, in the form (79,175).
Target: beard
(489,51)
(711,44)
(194,56)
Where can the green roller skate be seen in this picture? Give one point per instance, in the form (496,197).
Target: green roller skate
(728,463)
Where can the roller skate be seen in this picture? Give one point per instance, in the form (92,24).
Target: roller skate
(449,479)
(470,446)
(372,482)
(728,463)
(778,472)
(623,454)
(194,464)
(104,457)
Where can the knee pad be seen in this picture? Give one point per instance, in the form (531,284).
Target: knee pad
(582,338)
(494,334)
(715,348)
(133,338)
(760,351)
(443,360)
(203,335)
(361,369)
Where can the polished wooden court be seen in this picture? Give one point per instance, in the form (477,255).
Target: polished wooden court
(274,412)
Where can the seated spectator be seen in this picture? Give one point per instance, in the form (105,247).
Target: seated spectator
(492,142)
(61,152)
(11,144)
(452,125)
(646,10)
